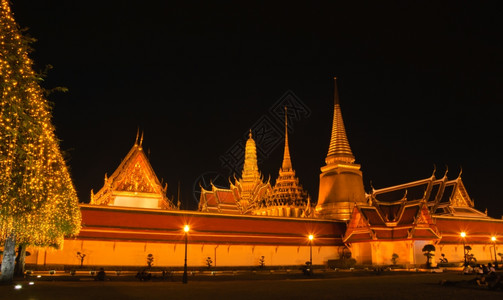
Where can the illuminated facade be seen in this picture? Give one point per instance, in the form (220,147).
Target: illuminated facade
(133,184)
(130,217)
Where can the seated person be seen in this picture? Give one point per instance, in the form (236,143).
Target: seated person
(467,269)
(101,275)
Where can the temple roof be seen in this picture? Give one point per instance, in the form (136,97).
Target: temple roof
(133,183)
(385,221)
(442,196)
(219,201)
(477,230)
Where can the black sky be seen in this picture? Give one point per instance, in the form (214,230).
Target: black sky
(420,83)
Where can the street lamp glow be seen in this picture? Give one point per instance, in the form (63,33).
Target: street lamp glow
(311,238)
(493,239)
(463,235)
(186,229)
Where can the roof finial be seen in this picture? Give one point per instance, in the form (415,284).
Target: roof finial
(460,171)
(250,134)
(141,139)
(336,91)
(287,163)
(434,170)
(137,134)
(446,170)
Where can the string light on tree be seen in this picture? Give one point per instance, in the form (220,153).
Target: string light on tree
(38,202)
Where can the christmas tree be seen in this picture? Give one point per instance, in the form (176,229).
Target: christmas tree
(38,202)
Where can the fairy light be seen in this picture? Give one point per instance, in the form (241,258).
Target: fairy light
(38,202)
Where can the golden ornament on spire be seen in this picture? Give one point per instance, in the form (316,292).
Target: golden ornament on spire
(287,162)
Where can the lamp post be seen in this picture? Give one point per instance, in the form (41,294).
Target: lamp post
(493,239)
(463,235)
(186,229)
(311,237)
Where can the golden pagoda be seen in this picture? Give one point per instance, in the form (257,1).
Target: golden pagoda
(288,198)
(252,189)
(341,182)
(133,184)
(245,195)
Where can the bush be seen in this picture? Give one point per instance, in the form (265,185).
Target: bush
(341,263)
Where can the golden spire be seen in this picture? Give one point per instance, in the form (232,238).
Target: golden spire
(250,167)
(339,150)
(288,198)
(287,162)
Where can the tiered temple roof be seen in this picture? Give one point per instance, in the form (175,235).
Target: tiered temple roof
(133,184)
(288,198)
(412,211)
(391,221)
(442,196)
(244,195)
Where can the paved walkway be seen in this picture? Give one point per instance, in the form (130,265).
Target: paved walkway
(356,285)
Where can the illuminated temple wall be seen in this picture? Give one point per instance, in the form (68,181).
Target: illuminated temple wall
(410,252)
(381,252)
(478,237)
(100,253)
(117,253)
(122,236)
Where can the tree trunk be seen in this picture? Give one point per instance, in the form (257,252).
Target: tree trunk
(20,258)
(8,261)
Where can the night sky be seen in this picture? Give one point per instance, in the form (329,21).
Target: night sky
(421,84)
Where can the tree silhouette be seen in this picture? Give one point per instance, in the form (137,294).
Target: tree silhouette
(427,251)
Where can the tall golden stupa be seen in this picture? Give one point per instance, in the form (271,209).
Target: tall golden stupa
(341,182)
